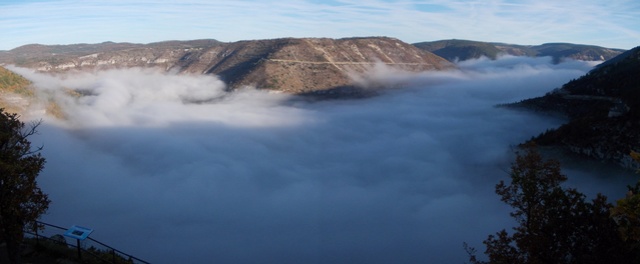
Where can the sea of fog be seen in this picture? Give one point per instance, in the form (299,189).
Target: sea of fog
(174,169)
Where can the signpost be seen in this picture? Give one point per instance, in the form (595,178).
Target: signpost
(79,233)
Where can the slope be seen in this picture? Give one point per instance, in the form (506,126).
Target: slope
(453,50)
(300,66)
(15,91)
(462,50)
(604,111)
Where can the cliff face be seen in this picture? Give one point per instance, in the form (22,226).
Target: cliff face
(300,66)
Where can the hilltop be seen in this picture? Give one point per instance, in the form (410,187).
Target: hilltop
(461,50)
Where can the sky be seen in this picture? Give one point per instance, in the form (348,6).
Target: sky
(255,177)
(610,23)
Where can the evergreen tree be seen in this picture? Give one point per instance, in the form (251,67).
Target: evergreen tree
(21,200)
(626,213)
(554,224)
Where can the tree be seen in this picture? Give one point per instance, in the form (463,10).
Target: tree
(21,200)
(554,224)
(626,213)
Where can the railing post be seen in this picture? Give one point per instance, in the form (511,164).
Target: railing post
(79,251)
(35,228)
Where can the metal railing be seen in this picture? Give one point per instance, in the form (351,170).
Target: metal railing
(91,248)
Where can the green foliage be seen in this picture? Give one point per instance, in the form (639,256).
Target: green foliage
(554,224)
(617,78)
(626,213)
(21,200)
(455,49)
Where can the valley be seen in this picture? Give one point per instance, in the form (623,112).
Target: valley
(340,68)
(177,126)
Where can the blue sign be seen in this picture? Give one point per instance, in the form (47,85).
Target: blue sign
(78,232)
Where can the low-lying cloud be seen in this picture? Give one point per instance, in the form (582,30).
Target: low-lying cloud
(173,169)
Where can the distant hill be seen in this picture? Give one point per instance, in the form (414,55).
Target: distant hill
(317,66)
(576,51)
(454,49)
(32,54)
(604,111)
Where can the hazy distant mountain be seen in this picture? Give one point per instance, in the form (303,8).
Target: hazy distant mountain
(603,107)
(453,50)
(301,66)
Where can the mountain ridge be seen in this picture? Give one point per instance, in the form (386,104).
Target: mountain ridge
(292,65)
(603,106)
(456,49)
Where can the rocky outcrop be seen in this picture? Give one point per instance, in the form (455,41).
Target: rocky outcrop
(299,66)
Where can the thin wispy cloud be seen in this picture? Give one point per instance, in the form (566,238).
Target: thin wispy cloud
(610,23)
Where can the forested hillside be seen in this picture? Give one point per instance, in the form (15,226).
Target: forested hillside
(455,49)
(13,83)
(604,111)
(15,91)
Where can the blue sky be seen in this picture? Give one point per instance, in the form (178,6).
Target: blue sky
(612,23)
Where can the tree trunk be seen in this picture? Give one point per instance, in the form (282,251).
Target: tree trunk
(14,235)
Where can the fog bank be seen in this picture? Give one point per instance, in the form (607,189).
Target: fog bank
(173,169)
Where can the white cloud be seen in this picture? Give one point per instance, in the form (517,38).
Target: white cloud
(403,177)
